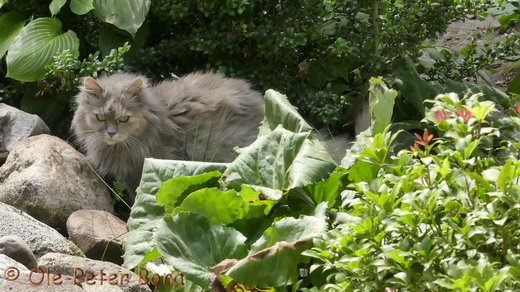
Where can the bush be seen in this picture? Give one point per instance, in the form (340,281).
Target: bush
(442,215)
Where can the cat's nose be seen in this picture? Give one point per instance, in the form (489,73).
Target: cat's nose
(111,134)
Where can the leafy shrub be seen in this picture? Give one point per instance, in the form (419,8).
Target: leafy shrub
(440,216)
(320,52)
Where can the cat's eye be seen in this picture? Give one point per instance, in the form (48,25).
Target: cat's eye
(124,119)
(101,117)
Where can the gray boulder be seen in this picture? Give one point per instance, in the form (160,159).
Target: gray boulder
(41,238)
(14,247)
(16,277)
(98,234)
(93,273)
(47,178)
(15,126)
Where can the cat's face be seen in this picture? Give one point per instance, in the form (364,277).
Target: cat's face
(111,112)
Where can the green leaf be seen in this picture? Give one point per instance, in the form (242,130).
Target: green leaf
(514,87)
(11,23)
(146,214)
(382,101)
(34,47)
(280,246)
(310,196)
(3,2)
(174,190)
(218,206)
(81,7)
(126,15)
(192,245)
(280,160)
(278,111)
(56,5)
(290,230)
(505,175)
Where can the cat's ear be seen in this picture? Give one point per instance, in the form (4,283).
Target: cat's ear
(92,87)
(135,88)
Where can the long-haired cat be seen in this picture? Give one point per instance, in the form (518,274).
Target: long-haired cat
(122,119)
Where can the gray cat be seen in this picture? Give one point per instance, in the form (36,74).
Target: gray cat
(122,119)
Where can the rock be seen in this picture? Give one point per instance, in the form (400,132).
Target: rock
(14,247)
(93,230)
(41,238)
(83,268)
(47,178)
(16,277)
(17,125)
(7,262)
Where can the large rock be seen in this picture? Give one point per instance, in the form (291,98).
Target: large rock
(47,178)
(84,268)
(16,277)
(41,238)
(14,247)
(98,234)
(17,125)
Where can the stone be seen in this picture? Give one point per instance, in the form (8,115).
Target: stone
(88,271)
(47,178)
(14,247)
(17,125)
(16,277)
(98,234)
(41,238)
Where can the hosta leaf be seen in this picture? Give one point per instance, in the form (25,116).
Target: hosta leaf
(278,111)
(192,245)
(34,47)
(146,214)
(280,160)
(56,5)
(127,15)
(11,23)
(81,7)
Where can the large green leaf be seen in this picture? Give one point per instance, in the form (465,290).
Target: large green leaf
(174,190)
(34,47)
(226,207)
(280,159)
(11,23)
(382,101)
(81,7)
(192,245)
(278,111)
(146,214)
(273,259)
(127,15)
(309,196)
(221,207)
(3,2)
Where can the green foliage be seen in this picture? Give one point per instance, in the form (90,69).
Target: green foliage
(242,220)
(66,71)
(320,52)
(442,216)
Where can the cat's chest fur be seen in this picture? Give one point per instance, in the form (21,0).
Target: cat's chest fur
(201,116)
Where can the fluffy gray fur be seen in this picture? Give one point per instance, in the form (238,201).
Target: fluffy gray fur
(201,116)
